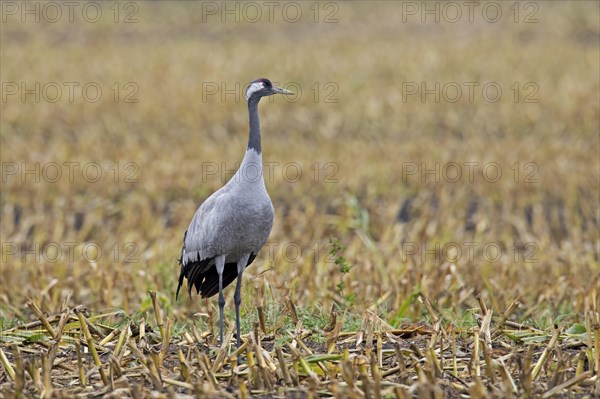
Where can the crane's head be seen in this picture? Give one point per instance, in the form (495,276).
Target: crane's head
(263,87)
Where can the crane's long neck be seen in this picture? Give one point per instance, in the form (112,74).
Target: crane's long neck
(254,137)
(249,175)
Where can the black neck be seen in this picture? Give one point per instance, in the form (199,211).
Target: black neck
(254,137)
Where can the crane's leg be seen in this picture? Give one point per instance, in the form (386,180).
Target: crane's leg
(237,297)
(220,265)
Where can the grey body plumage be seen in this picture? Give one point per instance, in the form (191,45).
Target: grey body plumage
(233,224)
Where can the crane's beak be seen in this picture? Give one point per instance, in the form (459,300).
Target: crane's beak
(279,90)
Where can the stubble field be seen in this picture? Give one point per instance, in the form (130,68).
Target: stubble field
(436,189)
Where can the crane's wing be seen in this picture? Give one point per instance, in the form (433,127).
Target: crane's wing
(207,234)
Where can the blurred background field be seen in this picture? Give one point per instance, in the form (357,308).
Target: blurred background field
(361,142)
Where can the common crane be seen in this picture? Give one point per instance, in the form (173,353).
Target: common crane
(233,224)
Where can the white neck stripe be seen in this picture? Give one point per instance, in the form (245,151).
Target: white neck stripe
(253,88)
